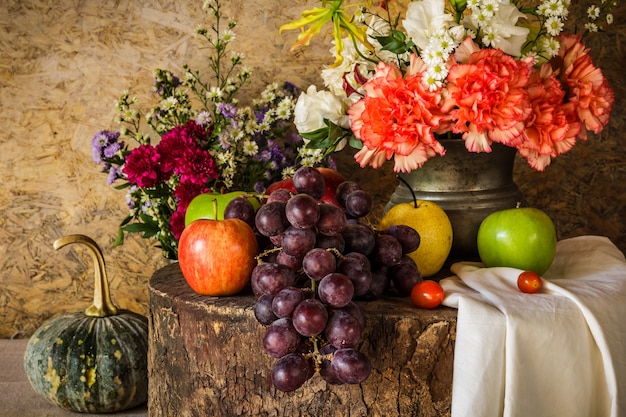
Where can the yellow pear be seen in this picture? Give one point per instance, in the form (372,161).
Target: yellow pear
(434,228)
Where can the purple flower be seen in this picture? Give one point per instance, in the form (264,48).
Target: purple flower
(277,154)
(260,113)
(130,198)
(101,141)
(227,110)
(114,173)
(290,89)
(110,150)
(146,206)
(259,187)
(265,155)
(224,140)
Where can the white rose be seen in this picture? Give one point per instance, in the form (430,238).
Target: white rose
(424,19)
(314,106)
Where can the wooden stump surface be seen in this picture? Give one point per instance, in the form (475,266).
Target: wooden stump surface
(206,359)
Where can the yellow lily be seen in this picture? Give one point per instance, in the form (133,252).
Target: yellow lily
(317,17)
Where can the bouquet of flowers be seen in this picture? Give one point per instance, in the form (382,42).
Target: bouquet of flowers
(208,142)
(484,71)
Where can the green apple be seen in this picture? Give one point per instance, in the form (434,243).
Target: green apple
(523,238)
(211,205)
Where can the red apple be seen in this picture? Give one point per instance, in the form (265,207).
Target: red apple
(216,257)
(332,179)
(287,184)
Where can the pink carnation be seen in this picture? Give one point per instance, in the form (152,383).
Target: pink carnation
(142,166)
(397,118)
(491,98)
(588,89)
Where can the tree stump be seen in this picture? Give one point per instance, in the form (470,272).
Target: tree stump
(206,358)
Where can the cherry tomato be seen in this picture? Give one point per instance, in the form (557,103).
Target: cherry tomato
(529,282)
(427,294)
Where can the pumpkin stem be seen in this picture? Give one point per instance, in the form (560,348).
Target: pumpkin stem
(102,305)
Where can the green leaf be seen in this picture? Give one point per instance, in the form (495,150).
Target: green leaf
(119,240)
(395,43)
(122,186)
(355,143)
(316,135)
(126,220)
(336,131)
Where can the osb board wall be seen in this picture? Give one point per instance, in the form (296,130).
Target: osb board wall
(63,64)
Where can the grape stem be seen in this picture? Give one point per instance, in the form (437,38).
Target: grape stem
(336,252)
(402,180)
(260,256)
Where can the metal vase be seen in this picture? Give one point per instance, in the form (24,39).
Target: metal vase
(468,186)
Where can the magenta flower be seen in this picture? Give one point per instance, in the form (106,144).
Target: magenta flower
(196,166)
(142,166)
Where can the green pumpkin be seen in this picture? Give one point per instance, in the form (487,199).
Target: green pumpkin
(93,361)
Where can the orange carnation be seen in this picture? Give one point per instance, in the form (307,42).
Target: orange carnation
(491,98)
(397,118)
(549,129)
(588,89)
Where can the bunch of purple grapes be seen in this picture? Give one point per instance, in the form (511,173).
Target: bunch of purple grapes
(322,258)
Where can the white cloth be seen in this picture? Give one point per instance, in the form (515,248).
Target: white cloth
(560,352)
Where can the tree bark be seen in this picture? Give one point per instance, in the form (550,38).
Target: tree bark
(206,358)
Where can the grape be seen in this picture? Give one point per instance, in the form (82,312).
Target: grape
(286,300)
(290,372)
(343,330)
(354,310)
(380,283)
(387,250)
(270,277)
(407,260)
(408,237)
(328,374)
(351,366)
(263,309)
(357,268)
(310,317)
(281,338)
(358,238)
(344,189)
(276,239)
(358,203)
(293,262)
(297,242)
(335,290)
(404,277)
(332,219)
(270,219)
(323,257)
(309,180)
(302,211)
(240,208)
(326,370)
(327,242)
(317,263)
(281,194)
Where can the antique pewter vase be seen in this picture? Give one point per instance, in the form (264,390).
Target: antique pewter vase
(468,186)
